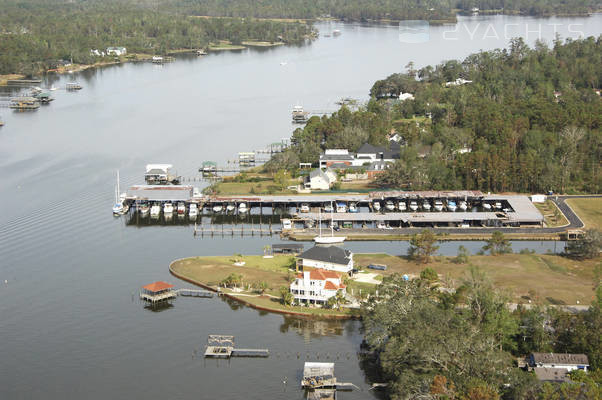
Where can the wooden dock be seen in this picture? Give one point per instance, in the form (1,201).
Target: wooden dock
(222,346)
(200,230)
(194,293)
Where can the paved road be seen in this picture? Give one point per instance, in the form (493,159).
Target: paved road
(574,223)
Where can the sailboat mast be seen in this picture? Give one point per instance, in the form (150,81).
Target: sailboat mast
(331,219)
(320,222)
(117,183)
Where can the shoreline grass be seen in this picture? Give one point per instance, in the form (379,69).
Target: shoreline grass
(588,210)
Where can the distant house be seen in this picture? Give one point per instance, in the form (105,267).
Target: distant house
(320,180)
(336,156)
(457,82)
(364,157)
(331,258)
(116,51)
(316,286)
(157,173)
(406,96)
(559,360)
(371,153)
(97,53)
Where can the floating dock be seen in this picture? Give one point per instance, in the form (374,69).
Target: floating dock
(222,346)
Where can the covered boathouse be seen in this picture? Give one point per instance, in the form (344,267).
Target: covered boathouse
(157,291)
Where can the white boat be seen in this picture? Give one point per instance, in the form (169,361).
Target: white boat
(328,208)
(426,205)
(486,206)
(336,32)
(304,208)
(230,207)
(381,225)
(402,206)
(451,205)
(463,205)
(242,208)
(167,209)
(389,205)
(181,208)
(118,206)
(332,239)
(413,205)
(376,205)
(193,211)
(144,209)
(155,210)
(438,205)
(217,208)
(341,207)
(353,208)
(498,205)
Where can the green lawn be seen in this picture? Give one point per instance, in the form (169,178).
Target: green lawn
(589,210)
(553,217)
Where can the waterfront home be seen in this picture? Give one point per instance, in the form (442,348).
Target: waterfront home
(316,286)
(371,153)
(331,258)
(320,180)
(116,51)
(336,156)
(157,173)
(558,360)
(366,155)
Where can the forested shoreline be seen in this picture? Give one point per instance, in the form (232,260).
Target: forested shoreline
(522,119)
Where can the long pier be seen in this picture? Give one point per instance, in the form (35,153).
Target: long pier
(222,346)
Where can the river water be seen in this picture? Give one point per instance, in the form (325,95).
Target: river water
(70,323)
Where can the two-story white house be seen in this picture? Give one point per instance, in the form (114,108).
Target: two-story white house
(316,286)
(330,258)
(320,180)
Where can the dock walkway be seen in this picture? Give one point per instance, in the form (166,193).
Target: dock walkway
(222,346)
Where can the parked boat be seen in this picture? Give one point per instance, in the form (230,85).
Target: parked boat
(299,115)
(119,206)
(438,205)
(381,225)
(451,205)
(242,208)
(413,205)
(143,209)
(155,210)
(304,208)
(402,206)
(463,206)
(336,32)
(486,206)
(353,208)
(44,97)
(332,239)
(328,208)
(167,209)
(389,205)
(181,208)
(193,211)
(498,205)
(341,207)
(218,208)
(376,205)
(73,86)
(230,207)
(426,205)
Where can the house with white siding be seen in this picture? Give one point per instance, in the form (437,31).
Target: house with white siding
(317,286)
(320,180)
(559,360)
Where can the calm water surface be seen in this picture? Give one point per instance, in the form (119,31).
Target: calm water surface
(70,323)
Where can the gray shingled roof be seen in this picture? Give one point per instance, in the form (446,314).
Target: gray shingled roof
(560,358)
(388,154)
(332,254)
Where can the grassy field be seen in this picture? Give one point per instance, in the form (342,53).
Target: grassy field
(225,45)
(589,210)
(255,43)
(8,77)
(553,217)
(548,278)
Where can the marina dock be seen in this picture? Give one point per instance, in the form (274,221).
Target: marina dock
(222,346)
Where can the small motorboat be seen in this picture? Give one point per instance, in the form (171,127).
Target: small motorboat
(304,208)
(193,211)
(451,205)
(376,205)
(155,210)
(143,209)
(498,205)
(381,225)
(486,206)
(402,206)
(230,207)
(463,206)
(413,205)
(181,208)
(118,209)
(328,208)
(438,205)
(242,208)
(426,205)
(389,205)
(218,208)
(167,209)
(353,208)
(341,207)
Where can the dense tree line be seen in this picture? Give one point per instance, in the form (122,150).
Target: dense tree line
(461,344)
(34,34)
(530,121)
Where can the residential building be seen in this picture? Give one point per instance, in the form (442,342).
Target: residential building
(331,258)
(559,360)
(336,156)
(320,180)
(116,51)
(366,155)
(316,286)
